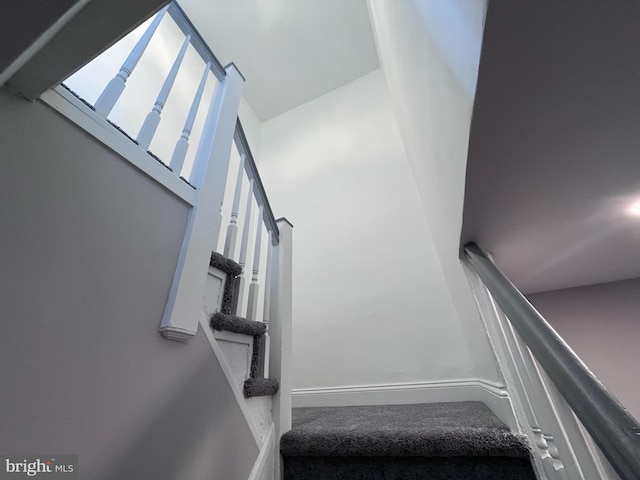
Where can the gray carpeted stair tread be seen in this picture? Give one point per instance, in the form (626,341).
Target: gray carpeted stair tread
(225,264)
(235,324)
(260,387)
(232,269)
(457,429)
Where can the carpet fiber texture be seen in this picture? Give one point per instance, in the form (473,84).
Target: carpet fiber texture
(432,441)
(232,269)
(232,323)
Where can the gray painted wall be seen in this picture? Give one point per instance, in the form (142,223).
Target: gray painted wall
(601,323)
(21,24)
(88,247)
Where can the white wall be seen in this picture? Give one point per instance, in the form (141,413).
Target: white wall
(601,323)
(88,248)
(371,305)
(429,53)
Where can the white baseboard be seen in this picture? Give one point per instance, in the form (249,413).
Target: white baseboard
(493,395)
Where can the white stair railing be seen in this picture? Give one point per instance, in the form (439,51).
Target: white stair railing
(150,125)
(268,297)
(110,95)
(252,303)
(182,145)
(242,259)
(232,229)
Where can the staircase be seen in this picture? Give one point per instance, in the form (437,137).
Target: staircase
(224,321)
(437,441)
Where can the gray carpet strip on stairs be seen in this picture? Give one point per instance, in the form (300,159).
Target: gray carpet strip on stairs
(437,441)
(255,385)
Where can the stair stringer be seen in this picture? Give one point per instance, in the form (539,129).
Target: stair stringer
(237,390)
(234,351)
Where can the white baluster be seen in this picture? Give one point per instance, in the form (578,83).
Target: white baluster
(267,306)
(267,281)
(252,304)
(150,125)
(115,87)
(232,229)
(182,145)
(242,260)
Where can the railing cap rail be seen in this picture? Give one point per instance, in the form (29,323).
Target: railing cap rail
(252,172)
(188,28)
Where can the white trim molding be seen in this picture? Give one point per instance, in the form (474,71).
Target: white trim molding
(263,468)
(494,395)
(204,324)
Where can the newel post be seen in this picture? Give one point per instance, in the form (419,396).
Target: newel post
(209,176)
(280,326)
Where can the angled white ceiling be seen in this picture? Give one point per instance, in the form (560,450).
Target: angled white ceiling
(290,51)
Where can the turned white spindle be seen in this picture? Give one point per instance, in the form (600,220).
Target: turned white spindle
(182,145)
(150,125)
(267,306)
(244,244)
(232,229)
(268,272)
(252,304)
(115,87)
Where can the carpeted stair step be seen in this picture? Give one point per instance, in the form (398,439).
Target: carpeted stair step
(235,324)
(232,269)
(460,440)
(255,385)
(260,387)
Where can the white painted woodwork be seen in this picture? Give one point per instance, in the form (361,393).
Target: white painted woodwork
(242,259)
(268,280)
(236,348)
(226,369)
(281,326)
(182,145)
(214,291)
(115,87)
(150,125)
(254,288)
(232,229)
(494,395)
(209,176)
(65,103)
(268,269)
(559,446)
(264,464)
